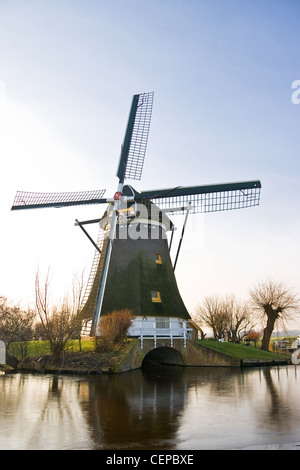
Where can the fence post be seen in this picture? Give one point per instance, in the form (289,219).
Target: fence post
(142,338)
(2,352)
(184,334)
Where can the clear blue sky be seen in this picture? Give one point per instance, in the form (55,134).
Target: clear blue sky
(222,74)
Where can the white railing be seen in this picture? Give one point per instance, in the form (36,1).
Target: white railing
(151,329)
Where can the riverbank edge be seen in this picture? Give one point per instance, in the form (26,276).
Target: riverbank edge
(78,363)
(120,361)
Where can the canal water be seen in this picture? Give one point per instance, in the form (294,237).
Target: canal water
(172,409)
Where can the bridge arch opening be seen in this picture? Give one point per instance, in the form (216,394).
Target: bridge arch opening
(162,356)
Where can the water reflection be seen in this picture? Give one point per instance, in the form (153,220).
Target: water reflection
(138,411)
(280,407)
(177,408)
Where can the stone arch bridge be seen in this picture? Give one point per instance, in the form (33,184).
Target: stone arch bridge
(180,353)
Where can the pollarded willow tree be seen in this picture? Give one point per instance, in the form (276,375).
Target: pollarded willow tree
(274,304)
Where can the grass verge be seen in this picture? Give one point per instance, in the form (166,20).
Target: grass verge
(241,351)
(42,348)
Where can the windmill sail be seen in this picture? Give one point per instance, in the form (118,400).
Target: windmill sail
(136,138)
(33,200)
(209,198)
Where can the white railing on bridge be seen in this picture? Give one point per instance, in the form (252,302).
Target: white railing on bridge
(160,328)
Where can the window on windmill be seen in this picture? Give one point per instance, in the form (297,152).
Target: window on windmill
(158,259)
(155,296)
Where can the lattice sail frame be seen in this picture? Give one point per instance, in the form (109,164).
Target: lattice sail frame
(136,138)
(36,200)
(204,199)
(139,139)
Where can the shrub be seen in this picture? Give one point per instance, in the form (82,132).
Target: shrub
(253,335)
(114,326)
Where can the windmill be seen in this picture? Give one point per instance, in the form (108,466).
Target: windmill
(132,267)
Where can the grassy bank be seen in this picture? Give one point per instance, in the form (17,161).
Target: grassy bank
(241,351)
(42,348)
(79,358)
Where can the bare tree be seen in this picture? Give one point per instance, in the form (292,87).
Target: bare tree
(227,317)
(241,318)
(16,324)
(273,303)
(61,323)
(212,313)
